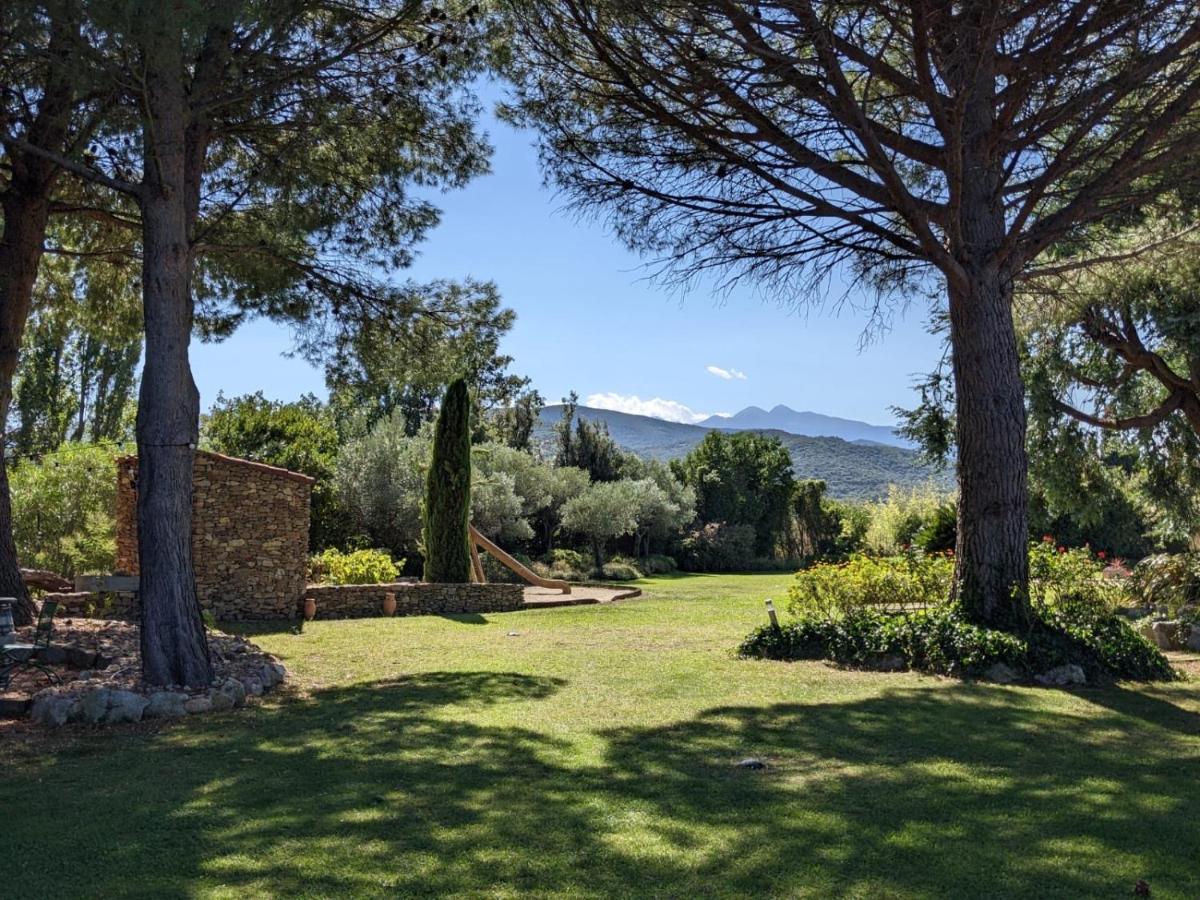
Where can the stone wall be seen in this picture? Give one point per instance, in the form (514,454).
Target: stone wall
(121,607)
(249,534)
(352,601)
(334,601)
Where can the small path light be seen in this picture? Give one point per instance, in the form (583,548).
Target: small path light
(771,614)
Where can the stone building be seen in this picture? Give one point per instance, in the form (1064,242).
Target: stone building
(249,534)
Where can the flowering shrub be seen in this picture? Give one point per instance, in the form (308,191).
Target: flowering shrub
(1058,575)
(360,567)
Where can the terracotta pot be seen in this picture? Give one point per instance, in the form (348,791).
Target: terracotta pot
(389,603)
(310,607)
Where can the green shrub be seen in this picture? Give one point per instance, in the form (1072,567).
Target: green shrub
(940,531)
(1169,581)
(565,565)
(940,640)
(841,615)
(908,580)
(717,547)
(496,571)
(1094,630)
(1058,574)
(360,567)
(896,521)
(62,510)
(935,640)
(654,564)
(616,571)
(568,559)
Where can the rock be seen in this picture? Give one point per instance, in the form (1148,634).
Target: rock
(1166,635)
(254,687)
(268,675)
(166,705)
(93,705)
(752,762)
(1060,676)
(1000,673)
(53,709)
(1193,641)
(235,691)
(79,658)
(53,656)
(197,705)
(125,706)
(219,701)
(13,707)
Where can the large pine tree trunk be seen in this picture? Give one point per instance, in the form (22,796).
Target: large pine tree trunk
(26,210)
(992,571)
(991,578)
(174,646)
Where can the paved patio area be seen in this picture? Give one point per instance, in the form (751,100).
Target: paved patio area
(581,595)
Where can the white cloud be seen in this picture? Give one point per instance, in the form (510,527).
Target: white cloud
(726,374)
(658,408)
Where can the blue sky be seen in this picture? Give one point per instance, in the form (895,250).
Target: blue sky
(589,320)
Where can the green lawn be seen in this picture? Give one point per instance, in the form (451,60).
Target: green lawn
(592,753)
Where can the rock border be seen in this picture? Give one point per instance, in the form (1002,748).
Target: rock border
(68,704)
(102,661)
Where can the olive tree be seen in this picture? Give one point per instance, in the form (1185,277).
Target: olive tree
(605,510)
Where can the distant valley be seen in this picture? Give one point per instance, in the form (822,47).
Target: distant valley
(859,467)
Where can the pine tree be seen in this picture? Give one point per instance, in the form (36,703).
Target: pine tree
(447,512)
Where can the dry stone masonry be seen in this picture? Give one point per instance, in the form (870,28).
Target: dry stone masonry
(249,534)
(352,601)
(250,551)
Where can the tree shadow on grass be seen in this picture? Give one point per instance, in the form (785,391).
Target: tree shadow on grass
(392,788)
(256,627)
(1149,704)
(466,618)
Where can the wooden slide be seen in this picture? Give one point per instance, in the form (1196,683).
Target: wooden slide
(524,572)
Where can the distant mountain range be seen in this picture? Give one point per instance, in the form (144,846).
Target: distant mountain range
(809,424)
(858,469)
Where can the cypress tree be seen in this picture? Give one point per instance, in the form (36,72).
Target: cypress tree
(447,512)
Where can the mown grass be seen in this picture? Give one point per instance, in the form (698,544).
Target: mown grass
(591,751)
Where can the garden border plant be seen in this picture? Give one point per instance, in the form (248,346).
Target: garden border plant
(842,615)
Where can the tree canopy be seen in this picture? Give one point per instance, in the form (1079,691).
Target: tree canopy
(742,478)
(927,146)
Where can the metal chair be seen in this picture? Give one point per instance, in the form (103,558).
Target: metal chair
(15,657)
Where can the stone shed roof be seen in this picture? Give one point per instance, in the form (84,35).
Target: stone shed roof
(250,464)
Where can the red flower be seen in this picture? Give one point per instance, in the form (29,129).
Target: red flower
(1062,549)
(1047,539)
(1102,555)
